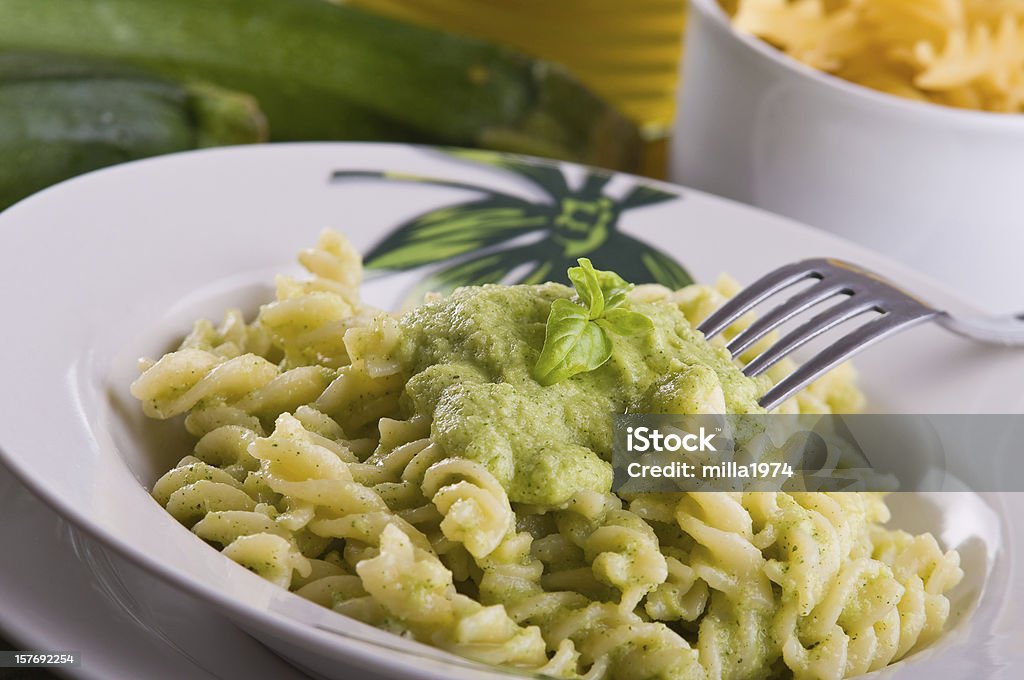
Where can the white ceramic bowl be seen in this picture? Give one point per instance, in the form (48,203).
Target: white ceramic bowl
(937,187)
(116,264)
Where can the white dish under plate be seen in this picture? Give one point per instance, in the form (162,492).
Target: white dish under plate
(115,265)
(66,592)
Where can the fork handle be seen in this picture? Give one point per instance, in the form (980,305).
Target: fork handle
(1007,331)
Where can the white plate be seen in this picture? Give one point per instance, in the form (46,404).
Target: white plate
(116,264)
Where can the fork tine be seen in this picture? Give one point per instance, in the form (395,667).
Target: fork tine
(749,297)
(800,302)
(806,332)
(843,349)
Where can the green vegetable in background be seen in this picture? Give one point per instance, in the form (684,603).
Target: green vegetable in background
(576,338)
(62,116)
(324,71)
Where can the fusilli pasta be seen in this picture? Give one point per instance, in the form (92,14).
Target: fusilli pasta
(311,470)
(964,53)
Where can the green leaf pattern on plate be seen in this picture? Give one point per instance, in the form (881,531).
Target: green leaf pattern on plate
(500,237)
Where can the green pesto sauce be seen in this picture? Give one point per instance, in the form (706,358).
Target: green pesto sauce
(469,358)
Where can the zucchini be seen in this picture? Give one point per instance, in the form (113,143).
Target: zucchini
(326,71)
(60,117)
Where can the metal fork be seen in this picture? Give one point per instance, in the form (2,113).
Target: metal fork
(865,292)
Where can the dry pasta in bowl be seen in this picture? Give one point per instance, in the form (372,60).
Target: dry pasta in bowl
(963,53)
(411,472)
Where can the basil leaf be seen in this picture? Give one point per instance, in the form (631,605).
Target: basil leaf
(625,322)
(572,344)
(585,280)
(613,288)
(576,337)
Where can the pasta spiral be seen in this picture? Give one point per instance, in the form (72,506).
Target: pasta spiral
(963,53)
(314,468)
